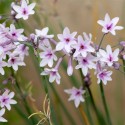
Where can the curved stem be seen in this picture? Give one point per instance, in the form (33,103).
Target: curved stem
(101,42)
(105,104)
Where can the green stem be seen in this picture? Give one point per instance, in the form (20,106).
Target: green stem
(33,121)
(105,104)
(101,42)
(123,65)
(98,114)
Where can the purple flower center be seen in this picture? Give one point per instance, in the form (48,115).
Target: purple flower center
(109,26)
(53,73)
(4,100)
(13,60)
(110,58)
(13,34)
(82,47)
(24,11)
(49,55)
(102,75)
(85,61)
(67,40)
(78,93)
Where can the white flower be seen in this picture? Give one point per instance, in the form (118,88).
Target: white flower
(83,47)
(24,10)
(43,33)
(86,63)
(6,99)
(15,62)
(54,75)
(15,34)
(108,56)
(76,95)
(2,111)
(48,56)
(104,76)
(67,39)
(110,25)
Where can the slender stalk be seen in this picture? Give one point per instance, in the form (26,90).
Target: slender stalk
(33,121)
(84,116)
(101,42)
(105,104)
(99,116)
(123,65)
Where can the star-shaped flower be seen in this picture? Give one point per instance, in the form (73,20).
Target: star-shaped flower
(67,39)
(86,63)
(104,76)
(83,47)
(24,10)
(108,56)
(76,95)
(6,99)
(109,25)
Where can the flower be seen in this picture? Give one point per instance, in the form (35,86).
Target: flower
(108,56)
(48,56)
(6,99)
(43,33)
(15,34)
(54,75)
(67,39)
(86,63)
(110,25)
(15,62)
(24,10)
(2,111)
(76,95)
(104,76)
(83,47)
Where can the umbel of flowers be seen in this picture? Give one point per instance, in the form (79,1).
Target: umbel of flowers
(14,46)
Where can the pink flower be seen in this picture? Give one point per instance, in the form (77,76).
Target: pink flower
(104,76)
(76,95)
(108,56)
(67,39)
(15,34)
(83,47)
(24,10)
(2,111)
(86,63)
(54,75)
(15,62)
(48,56)
(43,34)
(110,25)
(6,99)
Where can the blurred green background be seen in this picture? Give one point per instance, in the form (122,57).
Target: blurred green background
(81,16)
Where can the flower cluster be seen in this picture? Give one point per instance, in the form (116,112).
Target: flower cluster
(6,99)
(78,48)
